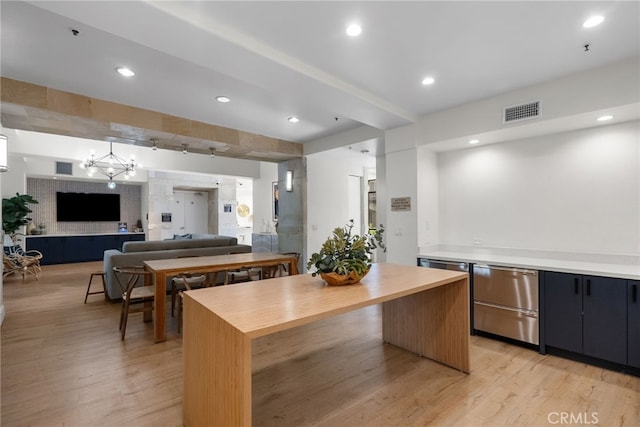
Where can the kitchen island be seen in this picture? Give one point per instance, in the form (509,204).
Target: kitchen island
(424,311)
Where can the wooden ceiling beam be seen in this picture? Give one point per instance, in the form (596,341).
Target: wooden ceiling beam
(50,110)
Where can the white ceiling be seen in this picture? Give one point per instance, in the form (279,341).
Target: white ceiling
(281,59)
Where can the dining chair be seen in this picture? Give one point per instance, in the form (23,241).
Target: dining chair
(185,285)
(242,274)
(134,293)
(195,281)
(279,270)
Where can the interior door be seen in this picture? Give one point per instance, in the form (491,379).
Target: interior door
(177,213)
(196,212)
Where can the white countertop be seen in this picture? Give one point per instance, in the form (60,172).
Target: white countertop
(607,265)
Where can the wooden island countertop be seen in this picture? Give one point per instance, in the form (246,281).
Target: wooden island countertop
(425,311)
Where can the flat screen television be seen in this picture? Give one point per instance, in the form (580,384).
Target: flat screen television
(87,206)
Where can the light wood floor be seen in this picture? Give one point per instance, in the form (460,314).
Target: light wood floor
(63,364)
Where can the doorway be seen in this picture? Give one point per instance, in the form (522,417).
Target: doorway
(190,212)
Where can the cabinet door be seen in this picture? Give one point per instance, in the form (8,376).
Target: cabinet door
(77,249)
(53,251)
(563,311)
(605,319)
(633,323)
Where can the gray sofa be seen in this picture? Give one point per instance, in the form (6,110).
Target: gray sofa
(134,253)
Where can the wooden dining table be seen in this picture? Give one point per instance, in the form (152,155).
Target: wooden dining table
(164,268)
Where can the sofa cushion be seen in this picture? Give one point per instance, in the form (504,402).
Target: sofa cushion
(161,245)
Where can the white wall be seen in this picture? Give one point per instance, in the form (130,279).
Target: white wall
(327,198)
(401,233)
(573,191)
(244,195)
(400,179)
(602,88)
(428,198)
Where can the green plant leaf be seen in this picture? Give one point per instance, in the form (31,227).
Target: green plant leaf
(344,251)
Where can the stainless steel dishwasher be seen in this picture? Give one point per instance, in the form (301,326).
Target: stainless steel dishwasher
(505,302)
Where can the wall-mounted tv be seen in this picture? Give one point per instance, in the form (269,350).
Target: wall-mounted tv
(87,206)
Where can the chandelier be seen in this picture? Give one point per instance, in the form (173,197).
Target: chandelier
(110,166)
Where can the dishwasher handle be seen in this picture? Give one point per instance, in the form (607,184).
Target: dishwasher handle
(525,312)
(510,269)
(447,262)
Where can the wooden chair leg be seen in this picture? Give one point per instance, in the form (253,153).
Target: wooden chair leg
(147,315)
(173,297)
(104,286)
(125,317)
(180,296)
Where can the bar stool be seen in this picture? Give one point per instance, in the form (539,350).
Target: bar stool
(104,286)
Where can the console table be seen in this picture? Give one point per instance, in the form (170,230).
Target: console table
(424,310)
(64,249)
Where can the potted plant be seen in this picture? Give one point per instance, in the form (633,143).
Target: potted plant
(14,213)
(345,257)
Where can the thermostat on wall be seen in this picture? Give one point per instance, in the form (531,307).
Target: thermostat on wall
(166,217)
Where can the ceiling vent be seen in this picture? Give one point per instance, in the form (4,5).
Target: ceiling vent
(64,168)
(527,111)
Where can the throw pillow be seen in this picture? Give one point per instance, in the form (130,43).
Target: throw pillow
(181,237)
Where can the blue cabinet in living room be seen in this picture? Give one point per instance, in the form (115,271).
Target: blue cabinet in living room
(77,248)
(633,322)
(586,315)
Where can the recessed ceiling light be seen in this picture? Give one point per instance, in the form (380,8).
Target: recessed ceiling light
(222,99)
(124,71)
(354,30)
(428,81)
(605,118)
(474,141)
(293,119)
(593,21)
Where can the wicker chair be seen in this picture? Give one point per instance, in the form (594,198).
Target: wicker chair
(16,260)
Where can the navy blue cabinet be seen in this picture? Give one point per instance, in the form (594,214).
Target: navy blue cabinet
(587,315)
(604,325)
(82,248)
(563,311)
(633,316)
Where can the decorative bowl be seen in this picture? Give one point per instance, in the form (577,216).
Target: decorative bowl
(335,279)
